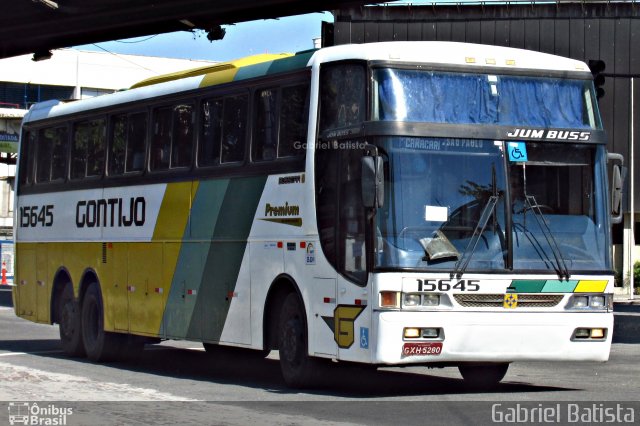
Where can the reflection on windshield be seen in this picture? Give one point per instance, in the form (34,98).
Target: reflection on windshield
(559,179)
(437,190)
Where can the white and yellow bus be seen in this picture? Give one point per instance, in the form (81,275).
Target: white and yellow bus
(428,203)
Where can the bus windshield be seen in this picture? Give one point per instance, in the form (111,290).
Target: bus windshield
(452,201)
(435,97)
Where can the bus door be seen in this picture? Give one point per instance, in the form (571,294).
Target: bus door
(43,289)
(144,284)
(351,317)
(119,299)
(26,280)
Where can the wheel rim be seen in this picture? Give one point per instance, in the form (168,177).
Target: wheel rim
(291,342)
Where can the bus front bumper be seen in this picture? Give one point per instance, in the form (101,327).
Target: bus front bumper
(490,337)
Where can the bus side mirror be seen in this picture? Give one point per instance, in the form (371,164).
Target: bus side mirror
(372,181)
(617,179)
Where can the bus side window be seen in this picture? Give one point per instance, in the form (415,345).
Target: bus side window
(59,154)
(210,132)
(327,161)
(117,144)
(28,160)
(136,141)
(51,154)
(161,142)
(342,101)
(266,134)
(181,148)
(96,150)
(294,114)
(87,149)
(234,125)
(352,219)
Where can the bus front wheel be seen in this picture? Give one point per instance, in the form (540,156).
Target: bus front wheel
(483,376)
(298,368)
(98,344)
(69,323)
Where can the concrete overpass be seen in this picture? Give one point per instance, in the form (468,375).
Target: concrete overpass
(37,26)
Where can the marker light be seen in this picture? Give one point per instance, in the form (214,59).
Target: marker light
(582,333)
(430,333)
(411,333)
(590,333)
(389,299)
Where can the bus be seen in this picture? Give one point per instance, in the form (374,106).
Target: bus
(391,204)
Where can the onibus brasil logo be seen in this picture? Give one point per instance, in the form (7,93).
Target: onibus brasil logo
(25,413)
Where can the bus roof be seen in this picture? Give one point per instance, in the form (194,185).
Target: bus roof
(213,69)
(451,53)
(227,72)
(427,52)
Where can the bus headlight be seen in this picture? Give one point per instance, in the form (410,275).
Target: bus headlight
(598,302)
(431,300)
(579,302)
(411,299)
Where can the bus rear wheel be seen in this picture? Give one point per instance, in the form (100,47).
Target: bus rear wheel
(483,376)
(298,368)
(70,326)
(98,344)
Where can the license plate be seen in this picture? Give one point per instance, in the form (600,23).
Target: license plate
(422,348)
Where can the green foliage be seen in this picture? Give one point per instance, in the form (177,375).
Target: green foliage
(636,278)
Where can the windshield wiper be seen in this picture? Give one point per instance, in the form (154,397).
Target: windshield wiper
(532,204)
(487,212)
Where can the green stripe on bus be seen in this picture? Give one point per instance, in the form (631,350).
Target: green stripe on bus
(290,63)
(207,203)
(224,258)
(556,286)
(527,286)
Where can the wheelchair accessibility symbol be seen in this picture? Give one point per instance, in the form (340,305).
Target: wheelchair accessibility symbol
(517,151)
(364,338)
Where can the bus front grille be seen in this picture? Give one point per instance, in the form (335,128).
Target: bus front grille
(497,300)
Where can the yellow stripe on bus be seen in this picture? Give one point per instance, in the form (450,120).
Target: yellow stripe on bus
(174,211)
(591,286)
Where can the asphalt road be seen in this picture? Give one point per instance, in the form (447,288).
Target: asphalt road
(178,383)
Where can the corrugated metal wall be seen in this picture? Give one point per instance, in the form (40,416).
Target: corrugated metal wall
(581,30)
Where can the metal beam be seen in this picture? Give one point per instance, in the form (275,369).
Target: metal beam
(30,26)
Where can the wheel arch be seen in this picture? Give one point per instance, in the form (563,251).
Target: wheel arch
(89,276)
(61,278)
(280,287)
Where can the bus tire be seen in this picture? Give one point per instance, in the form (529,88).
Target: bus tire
(69,321)
(483,376)
(99,345)
(298,368)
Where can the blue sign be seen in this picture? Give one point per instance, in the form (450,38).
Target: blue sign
(517,151)
(364,338)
